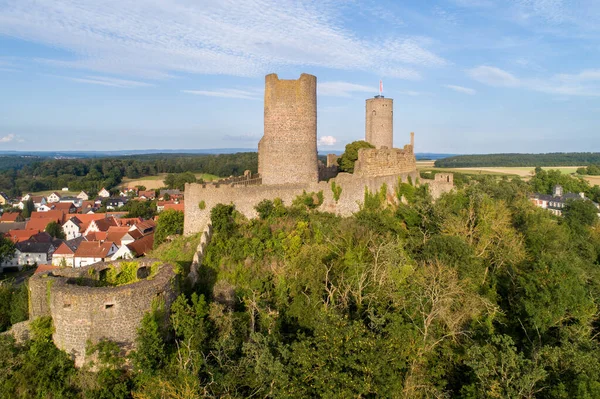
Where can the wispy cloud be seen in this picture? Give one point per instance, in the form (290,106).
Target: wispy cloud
(461,89)
(8,138)
(242,38)
(226,93)
(493,76)
(107,81)
(343,89)
(327,141)
(584,83)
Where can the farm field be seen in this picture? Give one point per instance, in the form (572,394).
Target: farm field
(523,172)
(154,182)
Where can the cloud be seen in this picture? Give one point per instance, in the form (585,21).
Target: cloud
(111,82)
(327,141)
(493,76)
(226,93)
(156,39)
(585,83)
(8,138)
(344,89)
(461,89)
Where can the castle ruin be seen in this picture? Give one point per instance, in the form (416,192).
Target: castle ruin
(85,311)
(287,152)
(288,164)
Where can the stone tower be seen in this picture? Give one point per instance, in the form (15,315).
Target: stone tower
(379,129)
(287,152)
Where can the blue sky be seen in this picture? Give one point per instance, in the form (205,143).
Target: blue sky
(467,76)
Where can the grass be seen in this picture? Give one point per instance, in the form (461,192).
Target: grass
(179,252)
(495,171)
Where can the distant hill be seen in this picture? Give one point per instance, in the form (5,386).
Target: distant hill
(525,160)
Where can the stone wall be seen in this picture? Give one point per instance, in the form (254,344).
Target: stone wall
(199,255)
(442,183)
(379,122)
(385,161)
(246,198)
(287,152)
(82,312)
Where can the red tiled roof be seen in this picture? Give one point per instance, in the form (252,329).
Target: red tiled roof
(87,218)
(63,249)
(147,193)
(62,206)
(45,268)
(146,226)
(96,236)
(10,217)
(38,224)
(57,216)
(93,249)
(175,207)
(143,245)
(20,235)
(105,224)
(128,221)
(135,234)
(115,234)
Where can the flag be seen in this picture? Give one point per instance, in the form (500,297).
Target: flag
(380,86)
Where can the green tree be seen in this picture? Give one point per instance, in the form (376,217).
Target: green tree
(28,208)
(55,230)
(581,212)
(7,249)
(348,158)
(170,222)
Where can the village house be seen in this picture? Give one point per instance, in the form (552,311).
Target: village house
(36,250)
(54,197)
(135,249)
(11,217)
(557,201)
(104,193)
(4,200)
(65,253)
(93,252)
(83,196)
(114,203)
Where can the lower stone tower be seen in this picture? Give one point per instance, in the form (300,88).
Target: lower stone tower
(287,152)
(379,129)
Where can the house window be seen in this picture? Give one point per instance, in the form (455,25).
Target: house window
(109,305)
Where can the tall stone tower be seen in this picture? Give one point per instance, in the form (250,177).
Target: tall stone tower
(287,152)
(379,129)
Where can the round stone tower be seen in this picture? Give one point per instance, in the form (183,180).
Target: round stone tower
(379,129)
(287,152)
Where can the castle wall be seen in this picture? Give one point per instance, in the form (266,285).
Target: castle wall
(379,129)
(246,198)
(83,313)
(386,161)
(288,148)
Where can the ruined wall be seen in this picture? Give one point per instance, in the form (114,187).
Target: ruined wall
(199,255)
(246,198)
(383,162)
(287,152)
(442,183)
(83,313)
(379,129)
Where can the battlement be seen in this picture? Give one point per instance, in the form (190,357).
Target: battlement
(385,161)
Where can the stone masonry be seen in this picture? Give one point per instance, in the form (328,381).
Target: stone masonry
(385,161)
(83,312)
(287,152)
(379,122)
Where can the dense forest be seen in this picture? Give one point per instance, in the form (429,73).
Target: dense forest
(91,174)
(477,295)
(498,160)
